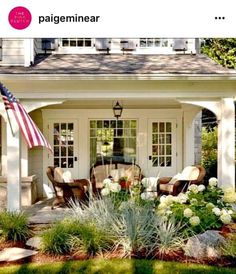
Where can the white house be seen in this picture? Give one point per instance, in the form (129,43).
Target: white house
(162,84)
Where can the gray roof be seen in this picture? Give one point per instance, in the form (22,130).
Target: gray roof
(120,64)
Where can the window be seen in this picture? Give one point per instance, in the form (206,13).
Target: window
(162,144)
(154,42)
(112,140)
(76,42)
(63,145)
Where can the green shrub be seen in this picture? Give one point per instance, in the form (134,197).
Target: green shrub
(56,239)
(89,239)
(13,226)
(209,152)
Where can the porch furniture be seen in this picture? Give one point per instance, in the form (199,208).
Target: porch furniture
(65,191)
(100,171)
(180,182)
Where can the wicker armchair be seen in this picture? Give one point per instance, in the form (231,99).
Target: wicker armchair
(169,185)
(64,192)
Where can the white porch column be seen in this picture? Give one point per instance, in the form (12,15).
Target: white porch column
(24,159)
(13,167)
(226,143)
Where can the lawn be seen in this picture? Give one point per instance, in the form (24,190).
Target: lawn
(122,266)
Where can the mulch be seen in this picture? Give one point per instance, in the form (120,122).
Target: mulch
(177,256)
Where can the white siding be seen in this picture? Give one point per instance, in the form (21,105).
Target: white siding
(13,51)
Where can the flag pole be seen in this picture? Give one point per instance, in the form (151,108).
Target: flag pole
(8,117)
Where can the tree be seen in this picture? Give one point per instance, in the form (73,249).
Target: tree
(223,51)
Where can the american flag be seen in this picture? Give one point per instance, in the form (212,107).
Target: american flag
(32,135)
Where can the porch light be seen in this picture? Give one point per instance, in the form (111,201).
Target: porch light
(117,110)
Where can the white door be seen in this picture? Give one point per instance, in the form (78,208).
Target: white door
(64,140)
(162,147)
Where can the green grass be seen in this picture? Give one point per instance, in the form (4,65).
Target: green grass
(116,266)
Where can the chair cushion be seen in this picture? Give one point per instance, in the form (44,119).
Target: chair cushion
(167,187)
(131,171)
(115,174)
(58,175)
(190,173)
(67,176)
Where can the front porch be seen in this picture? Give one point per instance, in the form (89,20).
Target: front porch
(161,97)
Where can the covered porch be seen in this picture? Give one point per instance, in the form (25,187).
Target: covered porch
(156,127)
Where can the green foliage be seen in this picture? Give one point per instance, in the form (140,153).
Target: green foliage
(209,152)
(56,239)
(90,239)
(13,226)
(132,228)
(223,51)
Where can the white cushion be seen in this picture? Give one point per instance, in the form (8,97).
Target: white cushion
(67,177)
(190,173)
(115,174)
(58,175)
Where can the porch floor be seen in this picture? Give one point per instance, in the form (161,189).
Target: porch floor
(41,213)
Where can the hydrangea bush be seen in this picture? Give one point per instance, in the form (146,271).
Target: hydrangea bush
(201,207)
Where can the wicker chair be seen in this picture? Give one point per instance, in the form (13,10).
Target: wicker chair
(64,192)
(168,186)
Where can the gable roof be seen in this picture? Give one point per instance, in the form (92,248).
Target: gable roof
(95,64)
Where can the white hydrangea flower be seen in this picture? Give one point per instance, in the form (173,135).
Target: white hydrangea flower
(162,199)
(194,221)
(225,218)
(169,212)
(183,198)
(115,187)
(193,201)
(147,196)
(201,188)
(193,188)
(169,199)
(162,206)
(230,212)
(105,191)
(216,211)
(213,182)
(210,205)
(188,213)
(107,181)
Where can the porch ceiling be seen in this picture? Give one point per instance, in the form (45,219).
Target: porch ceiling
(127,103)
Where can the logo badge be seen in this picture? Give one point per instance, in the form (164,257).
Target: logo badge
(19,18)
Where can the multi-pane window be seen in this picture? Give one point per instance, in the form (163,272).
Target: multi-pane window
(154,42)
(112,140)
(162,144)
(63,145)
(77,42)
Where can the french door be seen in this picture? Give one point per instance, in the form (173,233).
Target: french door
(64,140)
(162,147)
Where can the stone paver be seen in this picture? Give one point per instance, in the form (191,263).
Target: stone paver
(34,242)
(15,253)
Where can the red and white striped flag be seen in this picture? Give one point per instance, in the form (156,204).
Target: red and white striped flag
(31,133)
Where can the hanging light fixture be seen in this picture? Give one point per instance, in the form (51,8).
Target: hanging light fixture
(117,110)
